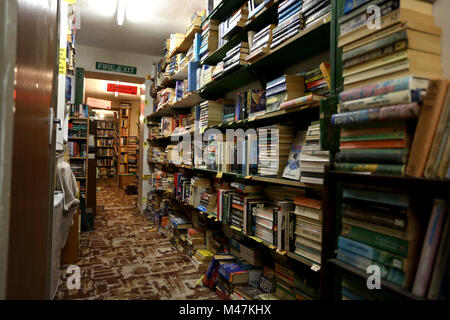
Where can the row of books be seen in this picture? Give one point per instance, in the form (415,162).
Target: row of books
(385,228)
(77,149)
(77,129)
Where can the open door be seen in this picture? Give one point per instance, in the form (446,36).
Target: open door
(32,176)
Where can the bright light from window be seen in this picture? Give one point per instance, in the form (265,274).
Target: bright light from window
(121,9)
(106,8)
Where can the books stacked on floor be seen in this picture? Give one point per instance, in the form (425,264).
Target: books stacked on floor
(202,259)
(235,57)
(274,145)
(230,275)
(430,149)
(306,237)
(290,22)
(312,159)
(180,222)
(261,42)
(314,11)
(210,114)
(385,229)
(317,80)
(210,38)
(407,43)
(232,25)
(282,89)
(375,135)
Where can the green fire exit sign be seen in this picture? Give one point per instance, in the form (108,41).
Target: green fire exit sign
(115,68)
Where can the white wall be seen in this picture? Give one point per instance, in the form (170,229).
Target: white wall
(441,11)
(86,57)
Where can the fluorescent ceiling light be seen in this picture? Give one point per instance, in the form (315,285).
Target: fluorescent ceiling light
(121,9)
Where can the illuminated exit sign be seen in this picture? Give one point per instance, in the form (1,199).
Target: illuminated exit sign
(120,88)
(115,68)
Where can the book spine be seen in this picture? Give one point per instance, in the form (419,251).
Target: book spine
(399,97)
(377,72)
(375,239)
(351,5)
(388,169)
(377,136)
(398,112)
(430,245)
(362,263)
(373,253)
(374,217)
(381,158)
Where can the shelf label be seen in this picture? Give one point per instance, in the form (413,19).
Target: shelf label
(248,177)
(62,60)
(282,252)
(219,175)
(272,247)
(236,228)
(315,267)
(256,239)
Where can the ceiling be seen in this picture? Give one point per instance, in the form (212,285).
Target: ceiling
(147,23)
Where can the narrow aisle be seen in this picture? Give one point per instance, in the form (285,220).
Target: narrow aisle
(125,259)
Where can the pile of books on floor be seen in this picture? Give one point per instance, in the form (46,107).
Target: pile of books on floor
(386,229)
(312,159)
(290,22)
(375,135)
(306,238)
(210,114)
(407,43)
(235,57)
(274,144)
(261,42)
(282,89)
(314,11)
(210,38)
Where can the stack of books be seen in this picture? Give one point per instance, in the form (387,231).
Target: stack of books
(266,224)
(232,25)
(210,38)
(317,80)
(314,11)
(180,223)
(383,228)
(218,70)
(235,57)
(208,202)
(261,42)
(375,135)
(306,238)
(175,40)
(274,145)
(204,75)
(230,275)
(255,6)
(407,43)
(210,114)
(312,159)
(157,154)
(282,89)
(290,21)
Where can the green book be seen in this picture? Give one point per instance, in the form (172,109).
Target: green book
(375,239)
(388,169)
(377,136)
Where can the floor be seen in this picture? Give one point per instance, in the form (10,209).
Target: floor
(126,258)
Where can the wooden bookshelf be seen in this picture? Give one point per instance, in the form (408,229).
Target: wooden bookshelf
(103,144)
(123,137)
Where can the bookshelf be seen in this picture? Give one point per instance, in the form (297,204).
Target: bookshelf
(106,149)
(77,146)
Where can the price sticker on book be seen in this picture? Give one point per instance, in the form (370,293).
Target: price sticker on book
(219,175)
(315,267)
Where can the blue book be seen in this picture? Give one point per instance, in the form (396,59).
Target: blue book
(391,274)
(197,44)
(192,76)
(227,269)
(290,7)
(351,5)
(289,12)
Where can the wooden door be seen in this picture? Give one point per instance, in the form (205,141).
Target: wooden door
(33,156)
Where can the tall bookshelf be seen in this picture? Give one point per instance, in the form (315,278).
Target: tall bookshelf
(105,149)
(123,139)
(78,147)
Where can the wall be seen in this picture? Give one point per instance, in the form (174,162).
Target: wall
(441,11)
(8,23)
(86,57)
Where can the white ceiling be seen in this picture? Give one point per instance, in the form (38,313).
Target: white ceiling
(147,23)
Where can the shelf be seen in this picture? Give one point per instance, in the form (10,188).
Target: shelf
(224,10)
(78,158)
(104,137)
(78,138)
(386,285)
(169,109)
(286,182)
(188,40)
(268,15)
(181,74)
(307,43)
(80,178)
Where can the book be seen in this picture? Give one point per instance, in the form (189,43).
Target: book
(292,168)
(429,248)
(426,126)
(381,156)
(398,112)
